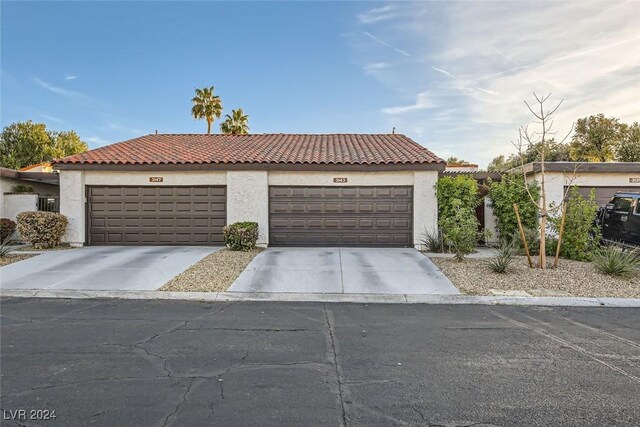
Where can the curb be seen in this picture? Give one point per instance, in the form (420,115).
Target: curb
(312,297)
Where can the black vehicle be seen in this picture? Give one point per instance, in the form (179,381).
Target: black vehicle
(619,220)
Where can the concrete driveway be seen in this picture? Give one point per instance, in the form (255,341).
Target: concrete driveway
(343,270)
(102,268)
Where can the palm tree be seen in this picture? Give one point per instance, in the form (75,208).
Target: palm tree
(207,106)
(235,124)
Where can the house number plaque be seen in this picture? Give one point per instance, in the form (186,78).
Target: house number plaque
(634,180)
(339,180)
(156,179)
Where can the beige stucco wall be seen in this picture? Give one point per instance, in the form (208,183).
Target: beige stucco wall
(13,204)
(556,181)
(247,192)
(72,205)
(248,200)
(425,205)
(490,221)
(353,178)
(6,186)
(142,178)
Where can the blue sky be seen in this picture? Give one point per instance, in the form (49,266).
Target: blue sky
(450,75)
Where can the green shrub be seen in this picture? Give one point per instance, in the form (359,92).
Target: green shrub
(21,188)
(457,199)
(460,230)
(7,228)
(503,194)
(42,229)
(581,236)
(500,262)
(241,236)
(615,262)
(461,188)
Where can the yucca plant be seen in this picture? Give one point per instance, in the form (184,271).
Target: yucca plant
(6,246)
(616,262)
(500,262)
(432,240)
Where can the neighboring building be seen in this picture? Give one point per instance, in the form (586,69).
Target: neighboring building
(39,167)
(461,167)
(27,191)
(605,178)
(306,190)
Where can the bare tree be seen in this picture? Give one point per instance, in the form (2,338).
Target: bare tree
(538,140)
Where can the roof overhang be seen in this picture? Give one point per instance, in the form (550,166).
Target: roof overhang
(296,167)
(479,175)
(600,167)
(51,178)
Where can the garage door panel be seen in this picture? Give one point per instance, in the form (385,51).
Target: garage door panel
(156,215)
(341,216)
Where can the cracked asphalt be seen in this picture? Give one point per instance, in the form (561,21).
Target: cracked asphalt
(162,363)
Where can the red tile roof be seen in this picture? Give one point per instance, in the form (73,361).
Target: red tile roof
(346,149)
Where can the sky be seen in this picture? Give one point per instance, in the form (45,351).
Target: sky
(451,75)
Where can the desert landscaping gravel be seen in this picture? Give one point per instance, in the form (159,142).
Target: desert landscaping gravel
(572,278)
(10,259)
(214,273)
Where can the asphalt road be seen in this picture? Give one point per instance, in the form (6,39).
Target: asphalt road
(117,362)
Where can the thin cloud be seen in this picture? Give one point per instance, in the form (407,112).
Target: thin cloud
(96,140)
(70,94)
(377,14)
(70,77)
(440,70)
(375,66)
(422,103)
(493,57)
(384,43)
(51,118)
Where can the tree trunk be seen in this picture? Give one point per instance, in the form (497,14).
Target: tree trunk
(208,127)
(543,194)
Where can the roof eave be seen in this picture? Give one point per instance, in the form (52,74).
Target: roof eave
(252,166)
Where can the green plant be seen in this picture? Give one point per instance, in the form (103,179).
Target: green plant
(500,262)
(615,262)
(21,188)
(5,247)
(235,124)
(241,236)
(455,192)
(460,230)
(42,229)
(206,106)
(578,241)
(432,240)
(7,228)
(503,194)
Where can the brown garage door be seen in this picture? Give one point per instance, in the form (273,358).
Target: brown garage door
(341,216)
(604,194)
(156,215)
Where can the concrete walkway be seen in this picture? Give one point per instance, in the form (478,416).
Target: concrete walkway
(113,268)
(343,270)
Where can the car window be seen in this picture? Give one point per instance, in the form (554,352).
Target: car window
(637,211)
(622,204)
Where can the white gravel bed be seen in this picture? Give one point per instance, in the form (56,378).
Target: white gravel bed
(574,278)
(214,273)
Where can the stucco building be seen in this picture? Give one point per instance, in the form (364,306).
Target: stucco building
(311,190)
